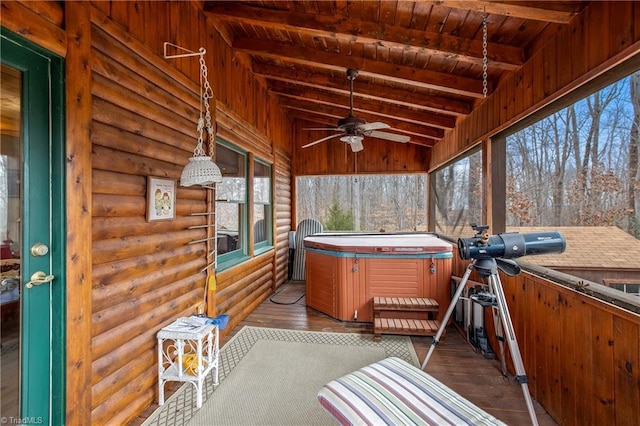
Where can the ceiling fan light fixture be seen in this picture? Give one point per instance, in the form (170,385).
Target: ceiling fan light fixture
(351,139)
(355,141)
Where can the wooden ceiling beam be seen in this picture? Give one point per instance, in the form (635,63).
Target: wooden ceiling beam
(400,126)
(524,10)
(379,93)
(339,62)
(357,31)
(367,106)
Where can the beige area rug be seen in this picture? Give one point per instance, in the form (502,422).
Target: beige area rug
(272,376)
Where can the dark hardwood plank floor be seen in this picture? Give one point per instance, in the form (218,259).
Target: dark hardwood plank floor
(454,361)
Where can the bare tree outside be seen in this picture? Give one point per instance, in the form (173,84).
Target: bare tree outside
(579,166)
(390,203)
(458,195)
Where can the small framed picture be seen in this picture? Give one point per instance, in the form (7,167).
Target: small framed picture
(161,199)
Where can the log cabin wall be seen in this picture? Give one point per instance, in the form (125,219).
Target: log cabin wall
(282,213)
(132,114)
(596,40)
(597,381)
(335,158)
(146,274)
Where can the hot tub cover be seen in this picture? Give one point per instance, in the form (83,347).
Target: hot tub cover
(379,243)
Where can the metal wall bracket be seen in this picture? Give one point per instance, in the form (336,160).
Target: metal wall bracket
(190,53)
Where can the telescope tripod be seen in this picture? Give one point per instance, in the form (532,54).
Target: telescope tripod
(488,268)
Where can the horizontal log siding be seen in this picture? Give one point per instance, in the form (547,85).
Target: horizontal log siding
(594,41)
(580,353)
(144,112)
(282,215)
(240,290)
(37,21)
(144,274)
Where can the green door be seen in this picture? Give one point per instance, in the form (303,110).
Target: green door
(32,234)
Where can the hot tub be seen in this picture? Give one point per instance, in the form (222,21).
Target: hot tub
(345,271)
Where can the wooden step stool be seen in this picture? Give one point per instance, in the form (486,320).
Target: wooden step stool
(404,315)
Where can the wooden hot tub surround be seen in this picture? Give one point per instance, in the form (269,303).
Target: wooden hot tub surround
(346,271)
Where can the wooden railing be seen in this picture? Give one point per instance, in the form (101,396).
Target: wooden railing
(581,353)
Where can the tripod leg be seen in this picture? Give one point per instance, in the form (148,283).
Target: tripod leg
(499,331)
(510,336)
(447,315)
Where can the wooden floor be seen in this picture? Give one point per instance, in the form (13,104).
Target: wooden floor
(454,362)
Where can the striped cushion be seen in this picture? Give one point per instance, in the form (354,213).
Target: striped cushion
(393,392)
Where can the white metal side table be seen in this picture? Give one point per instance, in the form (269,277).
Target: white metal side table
(182,338)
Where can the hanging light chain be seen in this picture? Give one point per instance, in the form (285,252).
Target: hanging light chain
(206,96)
(206,93)
(484,55)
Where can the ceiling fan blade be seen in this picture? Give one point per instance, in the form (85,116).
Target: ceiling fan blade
(322,140)
(373,126)
(389,136)
(321,128)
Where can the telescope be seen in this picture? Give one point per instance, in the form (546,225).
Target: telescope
(509,245)
(490,253)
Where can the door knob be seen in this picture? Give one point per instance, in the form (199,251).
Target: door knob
(39,278)
(39,249)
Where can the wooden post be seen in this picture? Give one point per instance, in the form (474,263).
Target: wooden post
(496,185)
(250,199)
(78,177)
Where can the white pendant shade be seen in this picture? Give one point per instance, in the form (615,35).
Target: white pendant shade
(200,170)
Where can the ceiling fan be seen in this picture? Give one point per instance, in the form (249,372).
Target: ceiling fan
(353,129)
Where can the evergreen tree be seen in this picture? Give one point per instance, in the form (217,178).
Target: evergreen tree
(338,219)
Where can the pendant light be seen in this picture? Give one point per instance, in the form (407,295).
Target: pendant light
(201,170)
(355,141)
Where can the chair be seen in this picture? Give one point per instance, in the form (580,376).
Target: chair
(259,231)
(305,228)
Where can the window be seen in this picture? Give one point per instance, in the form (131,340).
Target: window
(576,170)
(579,166)
(390,203)
(262,223)
(233,206)
(457,195)
(231,203)
(632,287)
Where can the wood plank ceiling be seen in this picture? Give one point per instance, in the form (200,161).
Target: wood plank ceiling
(420,64)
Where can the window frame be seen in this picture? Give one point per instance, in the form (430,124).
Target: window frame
(267,243)
(246,246)
(232,258)
(616,283)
